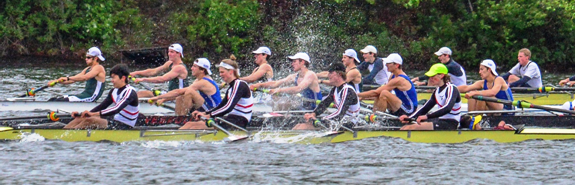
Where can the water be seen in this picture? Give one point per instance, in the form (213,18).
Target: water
(34,160)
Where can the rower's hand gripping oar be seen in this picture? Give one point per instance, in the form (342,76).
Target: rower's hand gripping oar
(162,105)
(156,92)
(33,91)
(522,104)
(231,137)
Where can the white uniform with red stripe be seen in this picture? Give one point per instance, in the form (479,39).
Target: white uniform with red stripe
(130,113)
(338,100)
(239,90)
(442,98)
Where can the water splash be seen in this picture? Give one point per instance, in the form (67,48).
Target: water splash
(31,137)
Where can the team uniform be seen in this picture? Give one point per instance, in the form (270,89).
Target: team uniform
(211,101)
(125,107)
(92,91)
(237,104)
(263,78)
(503,95)
(178,83)
(408,98)
(378,73)
(308,94)
(456,73)
(346,101)
(447,117)
(531,71)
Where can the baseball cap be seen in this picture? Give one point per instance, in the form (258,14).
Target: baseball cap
(204,63)
(443,50)
(178,48)
(491,65)
(369,48)
(435,69)
(264,50)
(95,52)
(300,55)
(351,53)
(393,58)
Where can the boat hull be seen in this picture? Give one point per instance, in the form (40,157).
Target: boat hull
(305,137)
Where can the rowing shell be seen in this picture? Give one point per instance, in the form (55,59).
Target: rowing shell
(307,137)
(29,105)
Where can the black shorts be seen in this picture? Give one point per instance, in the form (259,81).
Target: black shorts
(118,125)
(399,112)
(444,124)
(235,119)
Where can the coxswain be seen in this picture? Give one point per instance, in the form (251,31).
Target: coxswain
(202,95)
(304,82)
(378,73)
(491,85)
(94,75)
(526,69)
(353,75)
(456,72)
(264,72)
(121,102)
(236,107)
(404,101)
(177,75)
(445,96)
(342,95)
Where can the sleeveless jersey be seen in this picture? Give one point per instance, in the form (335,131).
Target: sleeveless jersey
(310,95)
(178,83)
(211,101)
(92,91)
(408,98)
(504,95)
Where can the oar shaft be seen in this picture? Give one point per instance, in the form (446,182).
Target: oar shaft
(521,104)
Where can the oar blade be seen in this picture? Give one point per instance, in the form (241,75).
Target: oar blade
(234,138)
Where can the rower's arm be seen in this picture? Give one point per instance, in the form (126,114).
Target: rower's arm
(261,72)
(497,86)
(322,74)
(324,104)
(174,73)
(520,82)
(152,71)
(107,102)
(309,78)
(173,94)
(478,85)
(274,84)
(426,107)
(129,99)
(375,93)
(83,76)
(377,66)
(451,100)
(349,98)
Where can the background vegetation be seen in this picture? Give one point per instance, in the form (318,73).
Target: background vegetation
(473,29)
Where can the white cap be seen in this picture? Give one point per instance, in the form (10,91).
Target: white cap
(178,48)
(369,48)
(394,58)
(443,50)
(300,55)
(204,63)
(351,53)
(490,64)
(95,52)
(567,106)
(264,50)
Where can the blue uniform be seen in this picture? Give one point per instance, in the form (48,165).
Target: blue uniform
(504,95)
(309,95)
(211,101)
(408,98)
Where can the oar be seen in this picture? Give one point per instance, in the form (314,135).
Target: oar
(156,92)
(33,91)
(162,105)
(51,116)
(521,104)
(541,89)
(231,137)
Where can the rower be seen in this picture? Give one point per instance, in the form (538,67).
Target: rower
(342,95)
(404,101)
(378,73)
(94,75)
(353,75)
(527,69)
(177,75)
(305,82)
(568,81)
(456,72)
(491,85)
(445,96)
(123,99)
(236,107)
(264,72)
(202,95)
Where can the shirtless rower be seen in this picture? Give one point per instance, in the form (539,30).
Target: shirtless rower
(353,75)
(264,72)
(236,107)
(202,95)
(177,75)
(94,75)
(404,101)
(122,102)
(304,81)
(342,95)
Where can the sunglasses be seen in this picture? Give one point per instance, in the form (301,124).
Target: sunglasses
(89,57)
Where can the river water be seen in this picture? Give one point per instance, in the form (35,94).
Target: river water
(34,160)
